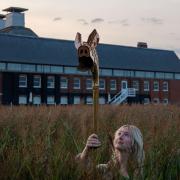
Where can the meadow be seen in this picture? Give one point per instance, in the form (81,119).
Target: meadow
(42,142)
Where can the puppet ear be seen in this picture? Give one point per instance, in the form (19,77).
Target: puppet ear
(78,41)
(93,39)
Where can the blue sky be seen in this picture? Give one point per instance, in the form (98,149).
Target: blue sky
(123,22)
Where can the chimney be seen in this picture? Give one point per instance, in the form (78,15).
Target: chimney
(15,17)
(2,21)
(142,45)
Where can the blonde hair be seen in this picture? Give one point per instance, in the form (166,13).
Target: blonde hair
(137,146)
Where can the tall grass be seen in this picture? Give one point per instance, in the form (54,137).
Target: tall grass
(42,142)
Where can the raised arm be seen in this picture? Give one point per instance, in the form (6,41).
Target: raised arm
(84,157)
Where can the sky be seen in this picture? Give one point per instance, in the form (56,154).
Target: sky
(122,22)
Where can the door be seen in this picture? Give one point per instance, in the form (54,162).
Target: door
(124,85)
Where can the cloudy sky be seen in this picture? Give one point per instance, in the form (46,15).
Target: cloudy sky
(123,22)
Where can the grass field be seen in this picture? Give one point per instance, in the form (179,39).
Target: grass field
(41,142)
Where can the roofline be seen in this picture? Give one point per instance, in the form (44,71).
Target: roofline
(15,9)
(72,41)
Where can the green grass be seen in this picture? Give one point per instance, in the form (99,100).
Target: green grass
(42,142)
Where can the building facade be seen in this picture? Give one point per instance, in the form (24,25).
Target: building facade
(35,70)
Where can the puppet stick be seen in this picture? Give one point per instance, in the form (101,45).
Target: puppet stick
(95,73)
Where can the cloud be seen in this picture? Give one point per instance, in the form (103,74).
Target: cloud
(123,22)
(57,19)
(152,20)
(97,20)
(83,21)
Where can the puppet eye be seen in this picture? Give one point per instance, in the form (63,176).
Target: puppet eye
(81,51)
(86,51)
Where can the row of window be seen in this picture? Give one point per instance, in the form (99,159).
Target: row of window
(73,70)
(63,100)
(77,100)
(77,83)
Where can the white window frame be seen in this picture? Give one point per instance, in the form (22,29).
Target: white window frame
(63,82)
(156,83)
(148,83)
(165,84)
(165,101)
(156,101)
(102,100)
(76,83)
(114,83)
(102,84)
(22,96)
(87,84)
(37,76)
(146,101)
(37,96)
(62,98)
(89,100)
(135,85)
(25,81)
(77,100)
(50,85)
(51,102)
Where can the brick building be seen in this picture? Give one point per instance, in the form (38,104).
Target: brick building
(43,71)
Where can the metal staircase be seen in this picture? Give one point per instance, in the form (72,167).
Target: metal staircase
(122,95)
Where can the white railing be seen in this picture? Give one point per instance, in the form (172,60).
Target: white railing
(122,95)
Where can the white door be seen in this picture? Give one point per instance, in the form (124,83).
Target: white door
(124,85)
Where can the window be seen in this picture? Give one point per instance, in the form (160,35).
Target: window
(149,74)
(113,84)
(146,85)
(22,99)
(64,83)
(165,101)
(56,69)
(135,84)
(177,76)
(22,80)
(28,67)
(102,100)
(146,100)
(64,100)
(168,75)
(37,100)
(14,67)
(88,83)
(156,86)
(165,86)
(89,100)
(156,100)
(159,75)
(106,72)
(118,73)
(77,100)
(140,74)
(50,82)
(46,69)
(2,66)
(76,83)
(50,100)
(37,81)
(70,70)
(102,84)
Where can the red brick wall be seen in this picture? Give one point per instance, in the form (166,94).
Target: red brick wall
(174,93)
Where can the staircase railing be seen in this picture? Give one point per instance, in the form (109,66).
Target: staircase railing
(122,95)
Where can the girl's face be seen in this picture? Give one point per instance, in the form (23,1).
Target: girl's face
(122,139)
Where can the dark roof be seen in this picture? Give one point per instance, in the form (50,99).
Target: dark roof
(62,52)
(18,30)
(2,16)
(15,9)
